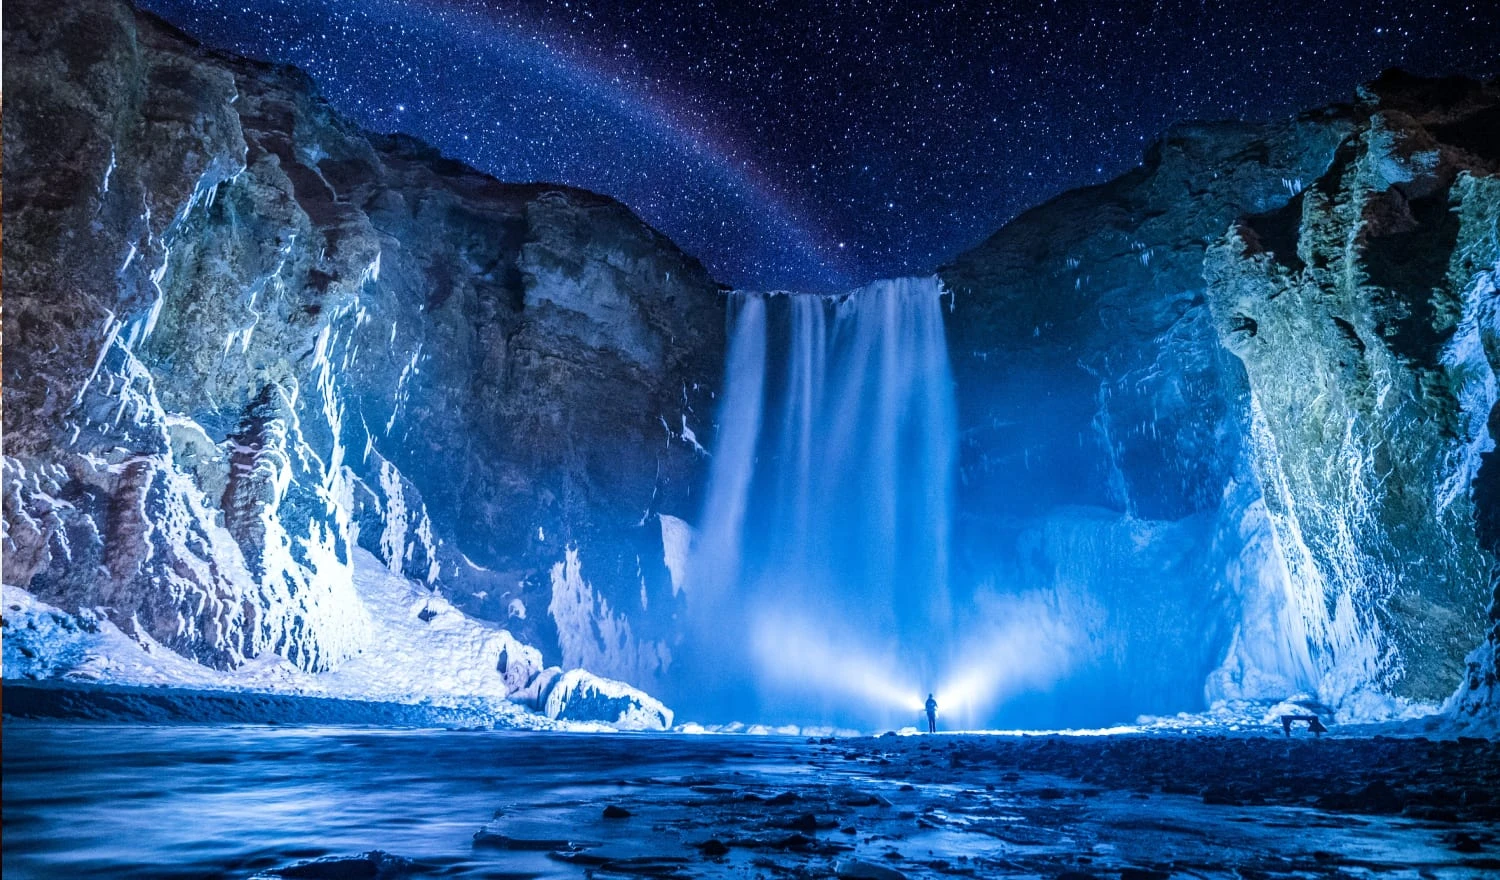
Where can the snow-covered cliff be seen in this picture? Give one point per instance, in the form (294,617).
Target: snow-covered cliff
(245,339)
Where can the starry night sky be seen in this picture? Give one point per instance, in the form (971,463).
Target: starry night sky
(816,146)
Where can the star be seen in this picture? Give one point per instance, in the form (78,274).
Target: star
(774,141)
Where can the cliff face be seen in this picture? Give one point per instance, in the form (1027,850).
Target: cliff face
(1227,419)
(1364,314)
(244,337)
(1273,435)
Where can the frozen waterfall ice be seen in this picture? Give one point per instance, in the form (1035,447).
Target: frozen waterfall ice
(820,578)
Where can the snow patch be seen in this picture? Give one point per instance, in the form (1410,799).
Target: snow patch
(1477,388)
(592,635)
(677,548)
(691,438)
(421,648)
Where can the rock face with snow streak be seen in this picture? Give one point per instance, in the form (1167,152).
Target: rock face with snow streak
(1364,312)
(1201,391)
(244,337)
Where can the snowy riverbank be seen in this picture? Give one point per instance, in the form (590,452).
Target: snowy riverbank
(422,654)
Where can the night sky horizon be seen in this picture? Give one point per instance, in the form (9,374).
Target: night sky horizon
(820,146)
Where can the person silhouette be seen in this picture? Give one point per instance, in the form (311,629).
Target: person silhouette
(931,714)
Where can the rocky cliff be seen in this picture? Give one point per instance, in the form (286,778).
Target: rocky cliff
(1263,360)
(1364,314)
(244,338)
(1226,422)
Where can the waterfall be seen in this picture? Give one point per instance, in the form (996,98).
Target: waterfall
(820,575)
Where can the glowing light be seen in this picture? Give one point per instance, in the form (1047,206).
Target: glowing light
(1026,645)
(793,651)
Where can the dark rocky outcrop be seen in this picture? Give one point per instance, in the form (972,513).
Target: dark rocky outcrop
(244,336)
(1306,399)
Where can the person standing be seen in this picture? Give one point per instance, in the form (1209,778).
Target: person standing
(931,714)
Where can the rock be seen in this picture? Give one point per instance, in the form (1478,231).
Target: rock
(1376,797)
(853,869)
(577,695)
(1221,795)
(1269,411)
(1367,364)
(487,838)
(807,822)
(374,864)
(269,337)
(1099,410)
(616,812)
(713,848)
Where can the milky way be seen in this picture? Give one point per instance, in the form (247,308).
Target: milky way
(816,146)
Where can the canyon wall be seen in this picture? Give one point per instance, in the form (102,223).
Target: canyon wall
(244,337)
(1232,408)
(1364,314)
(1225,423)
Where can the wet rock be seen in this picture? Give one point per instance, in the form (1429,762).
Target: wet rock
(1430,813)
(1377,797)
(853,869)
(713,848)
(496,840)
(375,865)
(638,866)
(1221,795)
(614,811)
(807,822)
(1295,401)
(1293,298)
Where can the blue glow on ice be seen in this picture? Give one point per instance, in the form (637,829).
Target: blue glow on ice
(821,578)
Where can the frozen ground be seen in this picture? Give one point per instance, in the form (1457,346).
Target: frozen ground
(139,801)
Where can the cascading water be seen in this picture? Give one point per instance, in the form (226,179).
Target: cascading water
(820,577)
